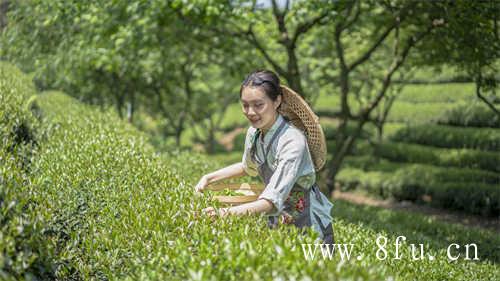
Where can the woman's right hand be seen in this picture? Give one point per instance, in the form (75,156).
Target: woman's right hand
(200,186)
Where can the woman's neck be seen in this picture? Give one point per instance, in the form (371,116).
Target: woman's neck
(265,130)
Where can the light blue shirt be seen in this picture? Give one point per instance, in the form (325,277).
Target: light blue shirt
(291,161)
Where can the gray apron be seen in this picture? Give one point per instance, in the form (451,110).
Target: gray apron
(297,206)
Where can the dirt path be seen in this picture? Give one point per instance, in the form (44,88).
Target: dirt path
(492,224)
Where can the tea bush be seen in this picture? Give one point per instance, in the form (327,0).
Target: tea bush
(414,153)
(473,191)
(470,114)
(330,131)
(437,93)
(409,112)
(23,252)
(419,227)
(450,137)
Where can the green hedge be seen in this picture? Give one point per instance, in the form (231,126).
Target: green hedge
(410,112)
(421,227)
(450,137)
(18,123)
(330,131)
(23,251)
(471,114)
(431,172)
(437,93)
(460,189)
(414,153)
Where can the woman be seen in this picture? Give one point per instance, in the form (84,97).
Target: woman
(279,153)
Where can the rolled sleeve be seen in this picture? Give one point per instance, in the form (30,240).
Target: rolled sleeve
(249,165)
(290,159)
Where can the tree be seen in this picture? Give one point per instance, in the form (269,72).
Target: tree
(470,42)
(274,30)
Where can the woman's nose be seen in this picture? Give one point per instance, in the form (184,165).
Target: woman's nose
(250,111)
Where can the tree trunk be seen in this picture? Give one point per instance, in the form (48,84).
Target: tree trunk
(4,8)
(293,74)
(211,137)
(178,134)
(484,99)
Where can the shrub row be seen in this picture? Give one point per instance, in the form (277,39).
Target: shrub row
(23,252)
(469,192)
(330,131)
(414,153)
(450,137)
(420,227)
(435,173)
(409,112)
(470,114)
(18,124)
(437,93)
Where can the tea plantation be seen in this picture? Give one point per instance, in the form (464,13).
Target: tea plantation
(83,196)
(439,147)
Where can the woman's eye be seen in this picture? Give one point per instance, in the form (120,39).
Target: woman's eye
(259,105)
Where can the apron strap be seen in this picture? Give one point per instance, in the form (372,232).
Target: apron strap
(278,131)
(266,151)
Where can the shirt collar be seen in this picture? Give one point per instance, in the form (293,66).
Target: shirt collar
(273,129)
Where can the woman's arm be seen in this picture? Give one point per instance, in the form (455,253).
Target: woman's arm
(256,207)
(235,170)
(231,171)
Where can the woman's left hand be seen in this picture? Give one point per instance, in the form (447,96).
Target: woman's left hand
(213,212)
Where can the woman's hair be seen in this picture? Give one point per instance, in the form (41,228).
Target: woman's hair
(267,80)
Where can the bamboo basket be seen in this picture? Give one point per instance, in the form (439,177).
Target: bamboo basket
(251,193)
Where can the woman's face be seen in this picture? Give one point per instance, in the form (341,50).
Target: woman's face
(258,108)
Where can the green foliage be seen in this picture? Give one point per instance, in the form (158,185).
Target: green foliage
(24,254)
(129,55)
(330,131)
(473,191)
(470,114)
(414,153)
(239,141)
(475,21)
(417,113)
(450,137)
(18,128)
(437,93)
(418,227)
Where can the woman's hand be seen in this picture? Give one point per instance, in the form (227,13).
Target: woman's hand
(213,213)
(200,186)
